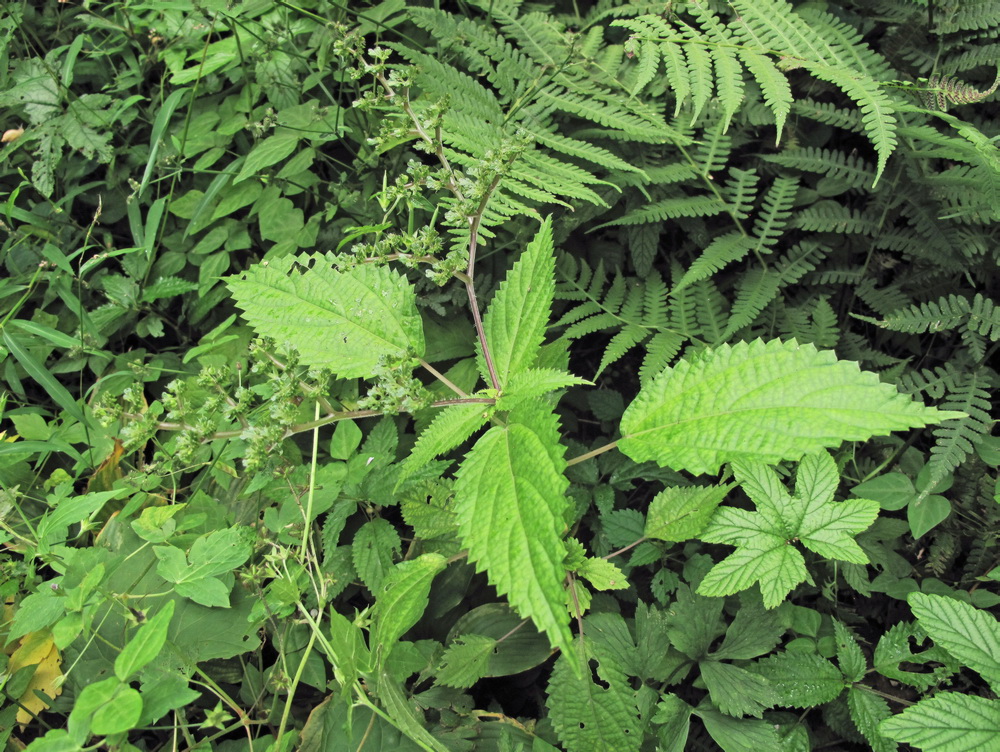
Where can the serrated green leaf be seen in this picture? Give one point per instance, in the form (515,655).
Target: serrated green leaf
(801,680)
(765,401)
(849,656)
(515,322)
(465,661)
(534,382)
(511,506)
(591,717)
(678,514)
(344,321)
(968,633)
(947,722)
(402,599)
(450,427)
(867,711)
(736,691)
(673,721)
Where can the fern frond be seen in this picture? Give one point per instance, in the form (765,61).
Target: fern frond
(670,208)
(835,164)
(711,311)
(759,287)
(830,216)
(777,208)
(955,438)
(721,252)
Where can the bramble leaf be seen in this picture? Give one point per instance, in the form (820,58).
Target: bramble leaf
(763,401)
(764,539)
(968,633)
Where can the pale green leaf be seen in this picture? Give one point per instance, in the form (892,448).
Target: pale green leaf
(678,514)
(515,322)
(344,321)
(465,661)
(765,538)
(778,569)
(602,574)
(402,599)
(511,505)
(591,717)
(968,633)
(947,722)
(534,382)
(769,401)
(450,427)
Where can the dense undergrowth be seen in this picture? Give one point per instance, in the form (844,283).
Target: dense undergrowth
(499,375)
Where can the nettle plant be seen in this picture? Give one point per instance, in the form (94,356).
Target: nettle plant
(643,568)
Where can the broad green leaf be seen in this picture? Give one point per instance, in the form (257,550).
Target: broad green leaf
(892,491)
(401,600)
(736,691)
(104,707)
(145,644)
(515,322)
(947,722)
(465,661)
(602,574)
(341,320)
(211,554)
(753,632)
(925,514)
(518,647)
(969,634)
(867,711)
(763,401)
(678,514)
(906,644)
(268,152)
(372,549)
(591,717)
(739,734)
(765,539)
(801,680)
(511,507)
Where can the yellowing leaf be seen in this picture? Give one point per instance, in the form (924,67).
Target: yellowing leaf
(37,649)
